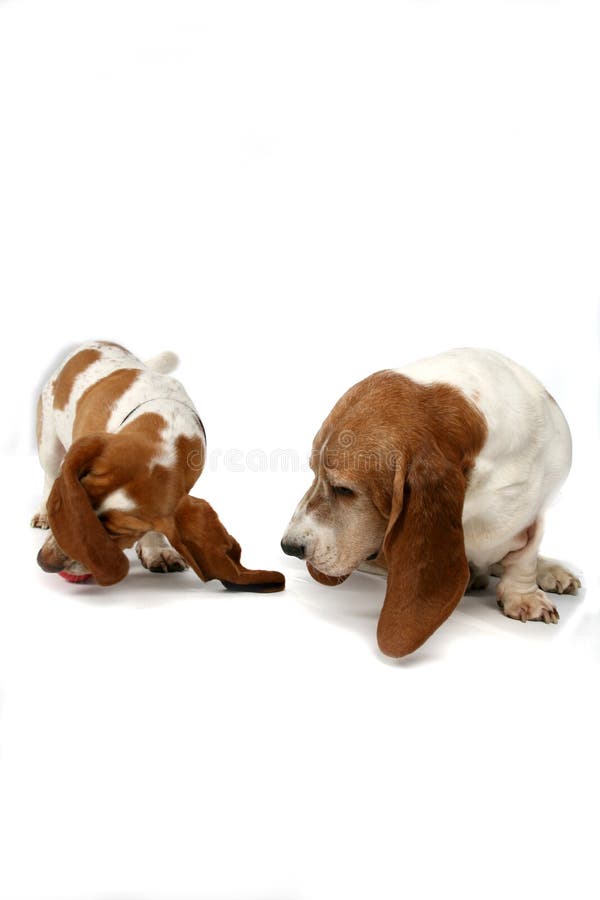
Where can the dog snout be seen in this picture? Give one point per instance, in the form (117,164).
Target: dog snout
(291,548)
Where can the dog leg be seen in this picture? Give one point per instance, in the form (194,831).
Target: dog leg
(156,554)
(551,576)
(518,593)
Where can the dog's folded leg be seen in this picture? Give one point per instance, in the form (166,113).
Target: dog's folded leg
(518,593)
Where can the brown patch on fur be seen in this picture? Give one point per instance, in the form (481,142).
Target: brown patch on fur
(126,463)
(162,489)
(95,406)
(69,372)
(190,459)
(157,489)
(411,448)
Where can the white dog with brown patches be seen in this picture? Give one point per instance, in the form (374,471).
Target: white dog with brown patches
(121,445)
(438,474)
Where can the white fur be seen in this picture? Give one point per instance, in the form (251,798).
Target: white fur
(318,539)
(165,362)
(118,499)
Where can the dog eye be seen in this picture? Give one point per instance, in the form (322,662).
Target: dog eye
(342,491)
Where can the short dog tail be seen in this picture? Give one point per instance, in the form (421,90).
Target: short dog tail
(163,363)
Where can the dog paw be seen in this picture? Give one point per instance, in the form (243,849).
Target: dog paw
(557,580)
(161,559)
(40,520)
(531,607)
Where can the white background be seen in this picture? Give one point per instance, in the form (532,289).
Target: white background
(291,196)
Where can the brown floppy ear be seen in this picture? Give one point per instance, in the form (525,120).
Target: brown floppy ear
(425,553)
(212,552)
(76,527)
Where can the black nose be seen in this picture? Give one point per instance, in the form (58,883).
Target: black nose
(293,549)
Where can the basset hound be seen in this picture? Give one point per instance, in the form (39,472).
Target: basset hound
(121,445)
(437,474)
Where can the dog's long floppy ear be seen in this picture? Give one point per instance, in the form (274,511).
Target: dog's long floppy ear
(424,550)
(76,527)
(212,552)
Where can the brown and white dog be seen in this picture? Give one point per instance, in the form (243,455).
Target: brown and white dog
(439,473)
(121,445)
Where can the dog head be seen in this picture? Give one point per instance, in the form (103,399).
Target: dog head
(391,463)
(107,495)
(112,490)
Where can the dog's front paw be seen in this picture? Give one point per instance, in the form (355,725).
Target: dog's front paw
(161,559)
(531,607)
(40,520)
(555,578)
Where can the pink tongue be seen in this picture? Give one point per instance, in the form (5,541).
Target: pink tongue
(325,579)
(75,579)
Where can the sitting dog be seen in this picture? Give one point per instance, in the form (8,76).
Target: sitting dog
(121,445)
(437,473)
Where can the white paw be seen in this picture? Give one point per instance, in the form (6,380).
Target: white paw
(531,607)
(161,559)
(557,580)
(40,520)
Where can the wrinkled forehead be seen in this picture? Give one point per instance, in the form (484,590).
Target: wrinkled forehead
(360,424)
(348,457)
(328,450)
